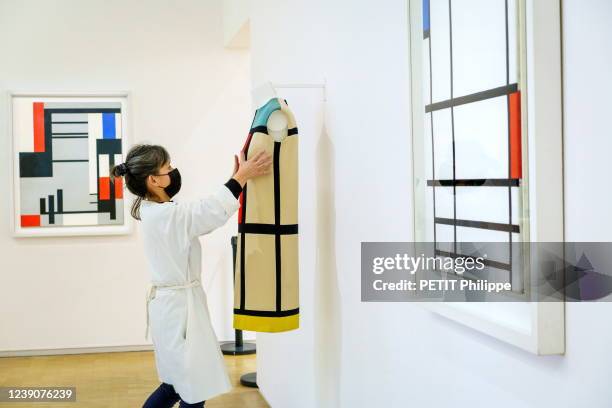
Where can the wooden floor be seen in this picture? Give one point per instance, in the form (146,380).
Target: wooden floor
(114,380)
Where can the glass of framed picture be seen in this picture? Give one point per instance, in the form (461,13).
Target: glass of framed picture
(487,150)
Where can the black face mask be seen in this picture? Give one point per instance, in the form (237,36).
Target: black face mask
(175,182)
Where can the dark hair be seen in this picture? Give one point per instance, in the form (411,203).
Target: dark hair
(141,161)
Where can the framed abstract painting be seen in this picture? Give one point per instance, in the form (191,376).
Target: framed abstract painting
(488,153)
(64,146)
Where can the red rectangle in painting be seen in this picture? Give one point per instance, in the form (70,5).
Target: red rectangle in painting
(30,220)
(104,193)
(118,187)
(516,160)
(39,127)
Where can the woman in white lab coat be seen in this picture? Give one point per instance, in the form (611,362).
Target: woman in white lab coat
(189,362)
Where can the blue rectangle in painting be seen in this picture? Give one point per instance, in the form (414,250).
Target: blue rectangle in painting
(426,17)
(108,126)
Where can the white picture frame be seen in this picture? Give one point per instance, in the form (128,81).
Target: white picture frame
(537,327)
(127,227)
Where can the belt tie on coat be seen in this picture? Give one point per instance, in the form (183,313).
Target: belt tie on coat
(153,289)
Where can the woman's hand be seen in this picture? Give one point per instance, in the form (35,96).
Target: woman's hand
(257,165)
(236,164)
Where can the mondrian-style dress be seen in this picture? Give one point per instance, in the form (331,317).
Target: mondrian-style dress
(266,292)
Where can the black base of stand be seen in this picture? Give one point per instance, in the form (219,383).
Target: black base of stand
(236,349)
(249,380)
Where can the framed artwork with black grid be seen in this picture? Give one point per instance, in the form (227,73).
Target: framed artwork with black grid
(486,140)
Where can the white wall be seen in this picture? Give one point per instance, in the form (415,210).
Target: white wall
(274,349)
(188,94)
(398,355)
(236,32)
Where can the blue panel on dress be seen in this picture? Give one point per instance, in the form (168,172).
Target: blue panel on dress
(263,113)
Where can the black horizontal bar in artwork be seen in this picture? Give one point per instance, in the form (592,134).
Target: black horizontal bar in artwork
(70,137)
(267,313)
(76,212)
(494,226)
(475,97)
(70,161)
(67,123)
(488,262)
(83,110)
(70,133)
(81,212)
(474,182)
(272,229)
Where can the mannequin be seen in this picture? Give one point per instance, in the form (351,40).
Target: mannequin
(277,125)
(277,122)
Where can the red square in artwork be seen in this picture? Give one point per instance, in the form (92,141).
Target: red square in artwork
(118,188)
(104,188)
(30,220)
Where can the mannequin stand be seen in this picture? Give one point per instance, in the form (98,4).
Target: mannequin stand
(249,380)
(237,347)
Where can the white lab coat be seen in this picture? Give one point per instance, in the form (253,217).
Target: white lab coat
(187,353)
